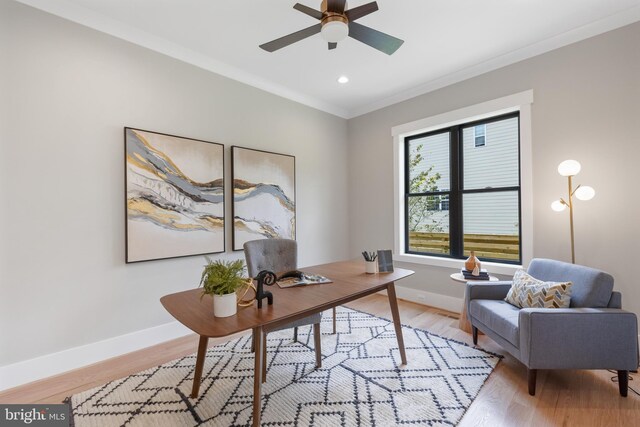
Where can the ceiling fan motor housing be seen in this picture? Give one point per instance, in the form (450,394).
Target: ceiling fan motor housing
(324,7)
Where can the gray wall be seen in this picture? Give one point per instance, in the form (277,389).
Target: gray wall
(66,93)
(586,107)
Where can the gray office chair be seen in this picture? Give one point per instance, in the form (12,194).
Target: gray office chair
(279,256)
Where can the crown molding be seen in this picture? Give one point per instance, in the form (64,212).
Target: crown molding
(99,22)
(609,23)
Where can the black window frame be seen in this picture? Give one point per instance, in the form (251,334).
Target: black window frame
(457,190)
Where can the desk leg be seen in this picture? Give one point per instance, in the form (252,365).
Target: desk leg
(393,302)
(317,344)
(334,320)
(197,375)
(257,379)
(264,357)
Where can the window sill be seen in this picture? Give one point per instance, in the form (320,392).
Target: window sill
(492,267)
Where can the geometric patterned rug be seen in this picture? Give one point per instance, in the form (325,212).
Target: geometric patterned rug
(361,382)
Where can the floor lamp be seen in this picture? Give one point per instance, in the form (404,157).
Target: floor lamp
(571,168)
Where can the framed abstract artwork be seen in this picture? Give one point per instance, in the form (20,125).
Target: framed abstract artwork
(174,196)
(264,195)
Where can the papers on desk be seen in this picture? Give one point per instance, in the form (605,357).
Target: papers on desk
(307,279)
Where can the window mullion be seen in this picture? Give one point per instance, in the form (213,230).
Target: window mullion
(429,193)
(491,190)
(455,199)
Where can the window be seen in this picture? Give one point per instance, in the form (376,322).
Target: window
(458,198)
(444,203)
(479,135)
(519,105)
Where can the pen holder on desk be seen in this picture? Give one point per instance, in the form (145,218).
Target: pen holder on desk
(370,267)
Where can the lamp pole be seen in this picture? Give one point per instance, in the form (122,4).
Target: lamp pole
(570,168)
(573,251)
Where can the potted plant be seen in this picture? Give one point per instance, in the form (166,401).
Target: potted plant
(221,279)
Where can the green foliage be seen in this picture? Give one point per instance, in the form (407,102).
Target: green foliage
(421,208)
(222,277)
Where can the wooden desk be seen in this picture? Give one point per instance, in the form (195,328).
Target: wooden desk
(350,282)
(464,323)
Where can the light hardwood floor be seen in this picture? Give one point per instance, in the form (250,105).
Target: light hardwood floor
(563,398)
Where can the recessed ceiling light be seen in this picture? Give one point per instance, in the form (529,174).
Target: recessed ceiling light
(343,79)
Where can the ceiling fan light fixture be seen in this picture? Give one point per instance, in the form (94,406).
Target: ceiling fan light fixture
(337,22)
(335,31)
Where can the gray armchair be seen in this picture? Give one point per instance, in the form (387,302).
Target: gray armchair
(593,333)
(280,255)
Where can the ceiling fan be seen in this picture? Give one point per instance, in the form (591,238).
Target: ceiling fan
(336,24)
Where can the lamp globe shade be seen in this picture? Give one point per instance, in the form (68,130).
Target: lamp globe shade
(584,192)
(569,168)
(558,206)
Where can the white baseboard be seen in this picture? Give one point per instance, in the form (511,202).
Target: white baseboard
(55,363)
(444,302)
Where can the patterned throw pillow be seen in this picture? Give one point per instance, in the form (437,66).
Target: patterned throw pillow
(529,292)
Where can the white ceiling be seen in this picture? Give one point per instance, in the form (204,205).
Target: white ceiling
(445,41)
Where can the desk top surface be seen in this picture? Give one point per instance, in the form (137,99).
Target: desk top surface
(349,282)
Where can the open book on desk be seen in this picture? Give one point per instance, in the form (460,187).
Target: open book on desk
(303,280)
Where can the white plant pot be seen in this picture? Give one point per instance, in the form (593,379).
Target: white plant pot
(370,267)
(225,305)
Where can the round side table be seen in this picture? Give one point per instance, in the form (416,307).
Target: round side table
(464,323)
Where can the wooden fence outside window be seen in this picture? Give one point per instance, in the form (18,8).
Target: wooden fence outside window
(496,246)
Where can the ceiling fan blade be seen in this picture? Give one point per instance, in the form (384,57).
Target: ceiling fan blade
(336,6)
(332,45)
(360,11)
(276,44)
(308,11)
(374,38)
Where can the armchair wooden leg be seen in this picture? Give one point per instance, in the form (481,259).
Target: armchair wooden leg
(295,334)
(264,357)
(334,320)
(474,331)
(623,382)
(317,345)
(253,344)
(531,374)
